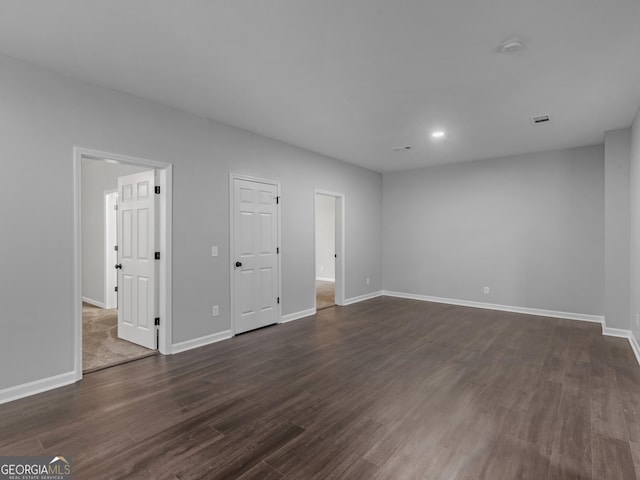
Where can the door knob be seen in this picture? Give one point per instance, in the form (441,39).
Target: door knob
(119,265)
(238,264)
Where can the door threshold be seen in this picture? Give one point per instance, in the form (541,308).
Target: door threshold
(257,329)
(120,362)
(325,307)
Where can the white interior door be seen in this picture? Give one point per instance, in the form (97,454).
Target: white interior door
(136,259)
(255,247)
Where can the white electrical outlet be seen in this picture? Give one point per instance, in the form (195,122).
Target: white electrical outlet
(214,251)
(486,290)
(215,311)
(368,281)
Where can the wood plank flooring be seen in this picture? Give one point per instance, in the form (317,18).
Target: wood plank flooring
(384,389)
(325,294)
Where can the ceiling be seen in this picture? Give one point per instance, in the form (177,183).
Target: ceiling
(353,79)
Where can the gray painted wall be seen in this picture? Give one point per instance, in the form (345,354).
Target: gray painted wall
(44,115)
(531,227)
(617,233)
(325,237)
(635,227)
(97,177)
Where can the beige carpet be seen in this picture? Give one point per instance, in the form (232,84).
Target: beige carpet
(101,346)
(325,294)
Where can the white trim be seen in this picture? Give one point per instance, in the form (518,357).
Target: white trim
(503,308)
(118,158)
(326,279)
(38,386)
(110,277)
(620,333)
(232,258)
(362,298)
(615,332)
(290,317)
(340,293)
(165,171)
(76,306)
(201,342)
(93,302)
(165,267)
(635,347)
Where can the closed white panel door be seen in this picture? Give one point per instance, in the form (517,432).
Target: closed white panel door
(136,259)
(255,238)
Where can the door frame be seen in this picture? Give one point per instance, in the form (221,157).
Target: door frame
(109,271)
(232,253)
(165,211)
(340,244)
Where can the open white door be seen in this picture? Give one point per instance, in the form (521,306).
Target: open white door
(255,249)
(136,254)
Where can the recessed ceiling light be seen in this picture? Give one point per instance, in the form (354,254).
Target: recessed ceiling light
(437,134)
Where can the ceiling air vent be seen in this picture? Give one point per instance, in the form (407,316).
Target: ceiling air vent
(540,119)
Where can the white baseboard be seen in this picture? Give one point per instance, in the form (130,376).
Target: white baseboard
(297,315)
(362,298)
(503,308)
(628,334)
(326,279)
(635,347)
(37,386)
(615,332)
(93,302)
(200,342)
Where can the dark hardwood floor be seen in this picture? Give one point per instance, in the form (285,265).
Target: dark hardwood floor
(384,389)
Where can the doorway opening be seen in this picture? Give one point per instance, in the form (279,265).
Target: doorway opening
(329,249)
(122,221)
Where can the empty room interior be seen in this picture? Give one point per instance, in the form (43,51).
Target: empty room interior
(321,239)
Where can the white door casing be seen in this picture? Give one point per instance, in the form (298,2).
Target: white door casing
(111,255)
(136,259)
(341,261)
(163,240)
(255,265)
